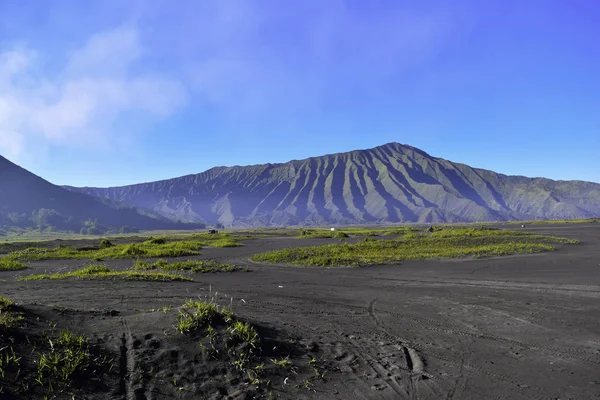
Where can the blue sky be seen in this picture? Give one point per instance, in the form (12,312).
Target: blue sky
(117,92)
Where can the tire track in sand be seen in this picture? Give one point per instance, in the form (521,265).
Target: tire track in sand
(414,362)
(128,365)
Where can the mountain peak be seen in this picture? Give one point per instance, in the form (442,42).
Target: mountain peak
(389,183)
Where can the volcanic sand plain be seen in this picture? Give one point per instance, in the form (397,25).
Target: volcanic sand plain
(514,327)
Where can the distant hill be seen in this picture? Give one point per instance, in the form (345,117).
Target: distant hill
(28,201)
(390,183)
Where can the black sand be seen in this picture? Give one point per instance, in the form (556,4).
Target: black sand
(523,327)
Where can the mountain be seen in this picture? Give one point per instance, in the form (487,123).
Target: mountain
(389,183)
(28,201)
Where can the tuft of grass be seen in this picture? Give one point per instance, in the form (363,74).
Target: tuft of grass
(105,243)
(444,243)
(195,314)
(284,363)
(103,272)
(8,359)
(8,318)
(153,240)
(245,333)
(68,359)
(10,264)
(201,266)
(5,303)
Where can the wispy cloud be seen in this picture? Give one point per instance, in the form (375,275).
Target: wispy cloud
(79,105)
(266,60)
(260,59)
(268,57)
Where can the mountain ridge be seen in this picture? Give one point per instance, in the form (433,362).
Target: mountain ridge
(29,201)
(388,183)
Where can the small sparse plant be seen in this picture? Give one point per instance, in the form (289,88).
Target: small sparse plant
(284,363)
(8,359)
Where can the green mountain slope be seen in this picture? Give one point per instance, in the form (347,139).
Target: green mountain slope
(389,183)
(28,201)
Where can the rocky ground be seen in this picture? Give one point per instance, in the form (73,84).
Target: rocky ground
(523,327)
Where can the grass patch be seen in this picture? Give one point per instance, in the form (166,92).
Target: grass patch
(217,240)
(223,333)
(103,272)
(45,365)
(557,221)
(165,246)
(5,303)
(8,318)
(69,355)
(242,332)
(354,231)
(133,250)
(68,360)
(201,266)
(158,240)
(322,234)
(241,351)
(444,243)
(196,314)
(10,264)
(224,242)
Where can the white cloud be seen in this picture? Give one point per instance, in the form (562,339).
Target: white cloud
(108,53)
(79,105)
(14,62)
